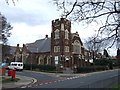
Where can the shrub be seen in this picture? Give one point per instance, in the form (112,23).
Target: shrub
(39,67)
(27,66)
(102,61)
(8,80)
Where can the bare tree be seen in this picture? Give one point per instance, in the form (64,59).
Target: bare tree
(93,45)
(89,11)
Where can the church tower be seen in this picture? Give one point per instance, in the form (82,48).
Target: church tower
(61,43)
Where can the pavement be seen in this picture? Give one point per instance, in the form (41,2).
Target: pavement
(57,74)
(68,75)
(19,84)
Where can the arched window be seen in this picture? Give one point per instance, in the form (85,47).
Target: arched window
(57,36)
(76,47)
(66,34)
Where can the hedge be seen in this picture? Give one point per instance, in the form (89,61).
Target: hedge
(39,67)
(90,69)
(102,61)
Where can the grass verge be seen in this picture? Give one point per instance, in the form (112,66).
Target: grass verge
(8,80)
(118,86)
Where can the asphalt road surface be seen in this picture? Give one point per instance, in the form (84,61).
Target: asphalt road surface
(38,76)
(100,79)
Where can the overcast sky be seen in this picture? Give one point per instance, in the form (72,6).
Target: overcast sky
(31,20)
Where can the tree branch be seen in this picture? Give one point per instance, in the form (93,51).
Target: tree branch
(102,14)
(71,9)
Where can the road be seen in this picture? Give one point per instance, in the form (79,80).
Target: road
(40,77)
(93,80)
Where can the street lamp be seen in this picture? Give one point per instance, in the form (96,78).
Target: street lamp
(31,61)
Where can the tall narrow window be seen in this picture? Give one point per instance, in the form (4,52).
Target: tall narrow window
(57,36)
(58,48)
(66,34)
(55,49)
(62,27)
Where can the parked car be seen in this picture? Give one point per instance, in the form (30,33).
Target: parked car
(16,65)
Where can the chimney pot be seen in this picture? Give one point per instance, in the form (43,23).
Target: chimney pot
(17,45)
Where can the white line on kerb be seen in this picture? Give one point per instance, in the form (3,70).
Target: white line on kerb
(40,84)
(45,83)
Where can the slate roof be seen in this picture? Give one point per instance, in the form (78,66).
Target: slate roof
(42,45)
(73,34)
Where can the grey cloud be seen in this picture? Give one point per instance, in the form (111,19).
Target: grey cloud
(18,15)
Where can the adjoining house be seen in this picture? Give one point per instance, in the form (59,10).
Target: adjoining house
(63,48)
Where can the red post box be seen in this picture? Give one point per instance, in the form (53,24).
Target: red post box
(9,72)
(13,74)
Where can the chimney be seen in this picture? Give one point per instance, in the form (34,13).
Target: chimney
(23,45)
(46,36)
(17,45)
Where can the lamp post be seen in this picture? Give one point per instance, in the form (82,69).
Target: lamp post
(56,63)
(62,62)
(72,62)
(31,61)
(50,59)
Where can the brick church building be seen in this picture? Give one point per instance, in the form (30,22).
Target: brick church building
(63,48)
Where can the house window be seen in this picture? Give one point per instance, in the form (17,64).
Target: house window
(56,48)
(66,48)
(66,34)
(57,36)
